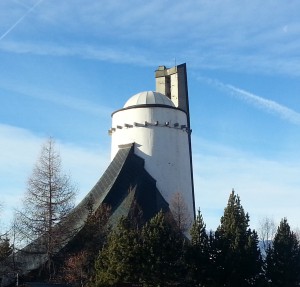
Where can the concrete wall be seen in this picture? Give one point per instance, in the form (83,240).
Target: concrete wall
(162,140)
(172,82)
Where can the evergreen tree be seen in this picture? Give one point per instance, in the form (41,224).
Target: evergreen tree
(5,245)
(5,248)
(237,257)
(153,255)
(162,251)
(198,253)
(283,258)
(119,260)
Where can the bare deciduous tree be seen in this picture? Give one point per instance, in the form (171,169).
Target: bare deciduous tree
(180,212)
(74,270)
(297,233)
(266,232)
(49,199)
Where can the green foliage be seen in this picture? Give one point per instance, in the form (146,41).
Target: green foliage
(199,237)
(234,223)
(283,258)
(94,234)
(198,253)
(157,254)
(153,255)
(162,252)
(237,257)
(119,259)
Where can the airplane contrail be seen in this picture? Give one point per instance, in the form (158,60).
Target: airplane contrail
(20,20)
(257,101)
(267,105)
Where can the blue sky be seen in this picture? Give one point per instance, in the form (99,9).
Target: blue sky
(65,66)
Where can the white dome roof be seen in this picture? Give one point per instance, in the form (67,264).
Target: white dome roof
(148,98)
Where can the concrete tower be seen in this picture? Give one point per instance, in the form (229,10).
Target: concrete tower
(158,124)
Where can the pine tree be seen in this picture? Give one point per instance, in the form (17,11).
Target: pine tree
(162,251)
(283,258)
(119,260)
(152,255)
(237,257)
(198,253)
(5,248)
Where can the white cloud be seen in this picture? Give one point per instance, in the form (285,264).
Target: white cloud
(245,37)
(19,150)
(101,53)
(70,102)
(266,187)
(85,164)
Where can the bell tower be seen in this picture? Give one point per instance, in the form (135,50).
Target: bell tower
(172,82)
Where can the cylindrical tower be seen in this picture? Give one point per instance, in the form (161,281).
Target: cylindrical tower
(160,133)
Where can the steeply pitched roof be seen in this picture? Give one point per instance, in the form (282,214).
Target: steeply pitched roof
(124,184)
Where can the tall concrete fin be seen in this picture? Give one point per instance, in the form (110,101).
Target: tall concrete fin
(172,82)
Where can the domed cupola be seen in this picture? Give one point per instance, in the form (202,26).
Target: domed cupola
(149,98)
(157,124)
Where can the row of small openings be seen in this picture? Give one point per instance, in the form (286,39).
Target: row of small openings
(156,123)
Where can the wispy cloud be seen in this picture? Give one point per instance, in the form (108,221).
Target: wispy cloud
(267,105)
(267,187)
(69,102)
(270,44)
(19,20)
(264,104)
(127,55)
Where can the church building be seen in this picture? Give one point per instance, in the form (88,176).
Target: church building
(151,161)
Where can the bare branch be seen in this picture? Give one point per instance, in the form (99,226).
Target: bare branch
(266,232)
(180,212)
(49,198)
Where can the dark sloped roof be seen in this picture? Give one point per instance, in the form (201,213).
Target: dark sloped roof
(125,180)
(124,184)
